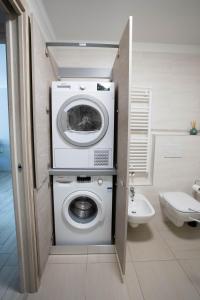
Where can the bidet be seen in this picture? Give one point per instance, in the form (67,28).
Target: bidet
(140,210)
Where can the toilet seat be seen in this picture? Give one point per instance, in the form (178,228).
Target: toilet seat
(181,201)
(179,207)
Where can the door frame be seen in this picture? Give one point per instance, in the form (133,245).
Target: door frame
(19,93)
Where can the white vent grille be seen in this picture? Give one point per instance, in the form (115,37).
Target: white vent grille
(101,158)
(140,130)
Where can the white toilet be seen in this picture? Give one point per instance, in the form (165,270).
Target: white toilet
(179,207)
(140,210)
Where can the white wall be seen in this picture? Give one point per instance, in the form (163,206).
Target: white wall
(5,163)
(177,162)
(175,82)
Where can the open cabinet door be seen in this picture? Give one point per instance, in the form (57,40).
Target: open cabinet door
(122,74)
(42,76)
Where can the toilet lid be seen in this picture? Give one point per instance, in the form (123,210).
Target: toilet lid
(182,202)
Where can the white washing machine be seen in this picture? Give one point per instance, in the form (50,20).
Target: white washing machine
(82,124)
(82,210)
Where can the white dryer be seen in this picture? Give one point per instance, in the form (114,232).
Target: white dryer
(82,210)
(82,124)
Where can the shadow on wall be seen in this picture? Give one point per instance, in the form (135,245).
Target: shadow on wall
(5,163)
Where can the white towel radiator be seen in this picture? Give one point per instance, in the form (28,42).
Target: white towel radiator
(140,130)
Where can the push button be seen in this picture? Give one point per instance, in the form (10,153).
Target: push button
(100,181)
(82,87)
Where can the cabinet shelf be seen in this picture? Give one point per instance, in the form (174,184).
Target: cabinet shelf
(92,172)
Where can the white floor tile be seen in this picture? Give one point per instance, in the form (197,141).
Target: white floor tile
(3,259)
(62,282)
(101,258)
(67,259)
(165,280)
(132,283)
(7,277)
(128,254)
(12,260)
(103,283)
(183,242)
(148,245)
(192,268)
(12,293)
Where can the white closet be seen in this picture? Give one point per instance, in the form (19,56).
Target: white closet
(121,74)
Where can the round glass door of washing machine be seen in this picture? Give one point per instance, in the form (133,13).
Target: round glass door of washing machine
(83,210)
(82,121)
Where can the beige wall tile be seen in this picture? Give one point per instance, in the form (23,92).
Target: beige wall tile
(174,79)
(179,173)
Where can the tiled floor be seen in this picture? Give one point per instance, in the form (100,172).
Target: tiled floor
(166,259)
(163,262)
(91,277)
(8,247)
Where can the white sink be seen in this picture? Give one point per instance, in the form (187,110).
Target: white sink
(140,210)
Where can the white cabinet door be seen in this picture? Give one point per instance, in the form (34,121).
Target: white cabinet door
(122,73)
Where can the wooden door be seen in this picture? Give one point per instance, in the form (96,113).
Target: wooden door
(42,76)
(18,62)
(122,74)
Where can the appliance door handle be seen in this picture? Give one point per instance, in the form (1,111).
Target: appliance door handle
(63,181)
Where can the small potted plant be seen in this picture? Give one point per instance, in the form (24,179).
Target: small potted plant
(193,130)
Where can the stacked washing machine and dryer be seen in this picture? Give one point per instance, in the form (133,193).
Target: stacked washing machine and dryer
(82,142)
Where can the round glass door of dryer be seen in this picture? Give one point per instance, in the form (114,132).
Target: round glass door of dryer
(83,210)
(82,121)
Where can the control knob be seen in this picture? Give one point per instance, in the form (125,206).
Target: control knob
(100,181)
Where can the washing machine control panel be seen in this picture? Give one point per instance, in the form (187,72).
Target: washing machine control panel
(103,86)
(83,179)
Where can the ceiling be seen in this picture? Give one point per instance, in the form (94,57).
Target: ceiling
(154,21)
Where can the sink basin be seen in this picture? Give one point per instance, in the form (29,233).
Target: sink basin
(140,210)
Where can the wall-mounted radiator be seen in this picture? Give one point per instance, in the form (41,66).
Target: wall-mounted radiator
(140,130)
